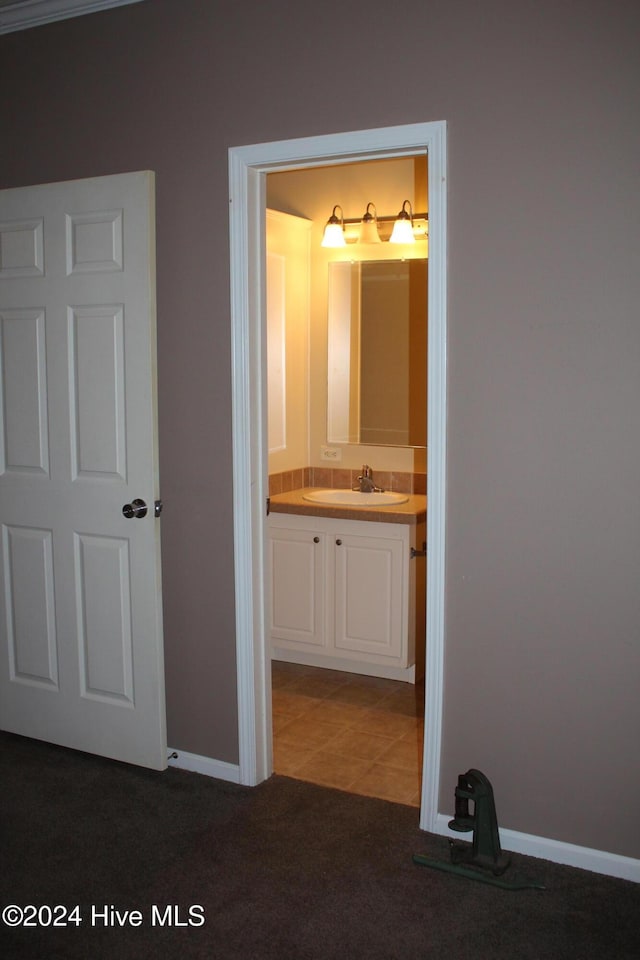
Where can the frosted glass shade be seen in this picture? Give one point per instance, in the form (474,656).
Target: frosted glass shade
(402,232)
(369,232)
(333,236)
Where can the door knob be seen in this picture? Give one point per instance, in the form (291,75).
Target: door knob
(137,508)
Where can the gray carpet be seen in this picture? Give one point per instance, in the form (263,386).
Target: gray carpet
(284,870)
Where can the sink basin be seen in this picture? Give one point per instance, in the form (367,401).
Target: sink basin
(353,498)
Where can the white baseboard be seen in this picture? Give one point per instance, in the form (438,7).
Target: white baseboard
(598,861)
(205,765)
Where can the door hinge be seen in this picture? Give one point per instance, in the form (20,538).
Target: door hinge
(268,505)
(418,553)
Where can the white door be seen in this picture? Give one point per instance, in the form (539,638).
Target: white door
(81,657)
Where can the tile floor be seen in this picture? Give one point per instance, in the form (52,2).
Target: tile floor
(359,734)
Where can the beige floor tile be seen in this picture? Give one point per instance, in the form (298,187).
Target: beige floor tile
(331,771)
(317,687)
(405,702)
(280,720)
(282,672)
(387,783)
(359,695)
(404,754)
(332,711)
(292,704)
(308,735)
(335,675)
(280,681)
(416,730)
(359,744)
(287,759)
(294,678)
(389,724)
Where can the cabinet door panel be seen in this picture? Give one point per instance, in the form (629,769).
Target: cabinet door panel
(297,586)
(369,616)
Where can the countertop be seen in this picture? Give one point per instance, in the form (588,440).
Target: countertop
(413,511)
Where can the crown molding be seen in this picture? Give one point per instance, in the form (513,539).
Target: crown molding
(23,14)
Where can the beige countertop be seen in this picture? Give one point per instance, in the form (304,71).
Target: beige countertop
(414,511)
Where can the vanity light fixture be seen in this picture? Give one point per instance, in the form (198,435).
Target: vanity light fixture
(403,227)
(334,230)
(369,226)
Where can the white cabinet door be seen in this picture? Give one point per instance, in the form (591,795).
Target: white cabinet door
(81,656)
(297,589)
(369,609)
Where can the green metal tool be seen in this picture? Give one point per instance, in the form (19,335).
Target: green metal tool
(483,859)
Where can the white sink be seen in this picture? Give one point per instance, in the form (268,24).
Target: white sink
(353,498)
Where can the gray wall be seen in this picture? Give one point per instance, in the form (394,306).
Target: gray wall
(543,547)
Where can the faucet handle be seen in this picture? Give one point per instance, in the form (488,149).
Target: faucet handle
(366,470)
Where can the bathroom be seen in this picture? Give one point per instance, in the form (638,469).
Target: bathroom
(360,731)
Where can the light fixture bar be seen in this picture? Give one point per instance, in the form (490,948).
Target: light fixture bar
(403,226)
(416,216)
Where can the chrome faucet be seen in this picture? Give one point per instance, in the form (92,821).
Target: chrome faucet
(365,481)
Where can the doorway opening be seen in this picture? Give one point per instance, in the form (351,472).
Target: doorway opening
(347,376)
(248,167)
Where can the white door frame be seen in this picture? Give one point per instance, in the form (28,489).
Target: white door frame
(248,166)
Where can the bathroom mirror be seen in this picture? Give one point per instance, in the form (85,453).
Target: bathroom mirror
(377,353)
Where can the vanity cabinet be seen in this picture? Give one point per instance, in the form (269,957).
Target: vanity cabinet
(343,593)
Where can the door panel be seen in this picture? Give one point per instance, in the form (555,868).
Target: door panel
(29,595)
(103,604)
(81,659)
(96,392)
(22,248)
(24,442)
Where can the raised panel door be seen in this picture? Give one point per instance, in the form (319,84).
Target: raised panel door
(369,612)
(81,657)
(297,587)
